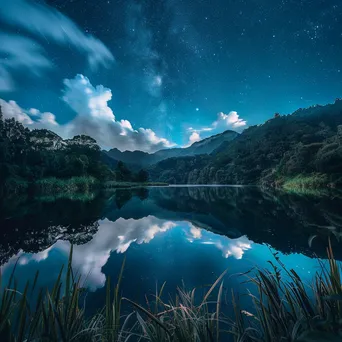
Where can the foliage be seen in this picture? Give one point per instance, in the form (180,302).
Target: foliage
(42,157)
(71,185)
(306,142)
(122,172)
(136,159)
(302,182)
(123,175)
(142,176)
(58,314)
(285,309)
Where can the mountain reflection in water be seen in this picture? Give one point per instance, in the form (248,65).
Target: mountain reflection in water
(170,233)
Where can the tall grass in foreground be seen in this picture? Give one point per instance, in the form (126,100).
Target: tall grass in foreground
(289,310)
(284,310)
(59,313)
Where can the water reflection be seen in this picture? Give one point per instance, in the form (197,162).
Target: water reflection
(90,257)
(231,221)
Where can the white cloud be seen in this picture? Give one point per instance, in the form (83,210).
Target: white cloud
(126,124)
(223,122)
(235,248)
(48,23)
(194,137)
(230,247)
(94,118)
(97,119)
(37,257)
(11,109)
(47,119)
(20,53)
(45,24)
(89,258)
(32,118)
(195,232)
(86,100)
(229,120)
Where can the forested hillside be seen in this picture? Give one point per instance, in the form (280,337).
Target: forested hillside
(304,147)
(43,158)
(138,159)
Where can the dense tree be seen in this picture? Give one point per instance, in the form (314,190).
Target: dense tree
(123,173)
(307,142)
(27,156)
(142,176)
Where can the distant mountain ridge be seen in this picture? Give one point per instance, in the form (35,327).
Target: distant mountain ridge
(299,150)
(205,146)
(44,139)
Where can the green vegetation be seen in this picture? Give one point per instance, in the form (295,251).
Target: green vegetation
(72,196)
(294,151)
(138,159)
(284,309)
(42,161)
(14,185)
(302,182)
(290,310)
(70,185)
(307,142)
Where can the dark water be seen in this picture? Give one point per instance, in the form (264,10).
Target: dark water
(176,234)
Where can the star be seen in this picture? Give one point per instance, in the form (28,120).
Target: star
(158,80)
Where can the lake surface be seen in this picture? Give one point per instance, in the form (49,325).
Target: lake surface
(172,234)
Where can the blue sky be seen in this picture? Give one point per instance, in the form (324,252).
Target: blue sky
(147,75)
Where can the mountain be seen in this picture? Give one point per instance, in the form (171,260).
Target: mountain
(143,159)
(42,161)
(34,225)
(303,148)
(44,139)
(130,157)
(34,159)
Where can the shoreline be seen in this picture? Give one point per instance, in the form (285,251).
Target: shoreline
(301,184)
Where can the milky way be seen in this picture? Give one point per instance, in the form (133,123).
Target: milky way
(175,64)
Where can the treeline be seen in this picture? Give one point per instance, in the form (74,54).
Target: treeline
(124,174)
(28,156)
(306,143)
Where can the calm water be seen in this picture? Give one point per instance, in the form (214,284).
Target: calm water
(175,234)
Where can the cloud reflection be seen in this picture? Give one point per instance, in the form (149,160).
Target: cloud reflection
(229,247)
(89,258)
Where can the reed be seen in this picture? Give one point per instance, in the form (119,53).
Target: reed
(59,313)
(286,309)
(283,308)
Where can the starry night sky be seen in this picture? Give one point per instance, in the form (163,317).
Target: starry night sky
(176,64)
